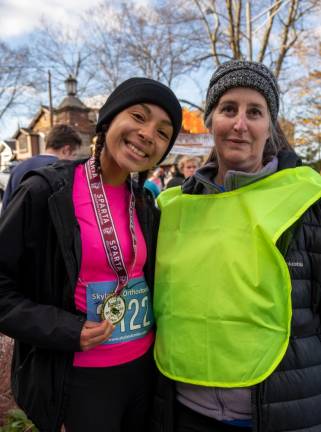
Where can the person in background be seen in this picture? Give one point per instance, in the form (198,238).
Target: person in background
(174,176)
(62,142)
(77,249)
(186,167)
(158,177)
(238,293)
(151,185)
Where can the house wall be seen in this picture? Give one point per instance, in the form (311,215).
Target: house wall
(43,123)
(80,120)
(23,146)
(34,141)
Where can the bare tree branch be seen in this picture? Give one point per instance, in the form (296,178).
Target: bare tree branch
(285,43)
(64,52)
(231,28)
(192,104)
(268,28)
(14,76)
(238,13)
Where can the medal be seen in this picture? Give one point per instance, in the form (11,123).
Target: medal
(113,308)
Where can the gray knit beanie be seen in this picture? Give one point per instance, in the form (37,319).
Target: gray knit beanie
(239,73)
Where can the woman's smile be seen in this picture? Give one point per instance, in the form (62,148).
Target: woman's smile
(134,148)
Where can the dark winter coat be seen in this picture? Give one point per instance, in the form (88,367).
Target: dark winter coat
(289,400)
(40,255)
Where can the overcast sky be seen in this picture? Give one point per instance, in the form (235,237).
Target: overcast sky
(21,17)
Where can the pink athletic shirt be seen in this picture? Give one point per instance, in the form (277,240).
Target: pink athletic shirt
(95,266)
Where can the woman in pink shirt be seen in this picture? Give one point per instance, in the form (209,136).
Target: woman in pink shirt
(84,239)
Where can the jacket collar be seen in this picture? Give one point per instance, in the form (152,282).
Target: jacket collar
(202,182)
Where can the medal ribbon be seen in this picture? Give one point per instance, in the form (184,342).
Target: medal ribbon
(106,225)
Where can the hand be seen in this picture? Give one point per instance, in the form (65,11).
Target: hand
(94,333)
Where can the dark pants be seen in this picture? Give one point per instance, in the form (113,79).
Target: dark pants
(187,420)
(113,399)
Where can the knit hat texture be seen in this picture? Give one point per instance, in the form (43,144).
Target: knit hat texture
(238,73)
(142,90)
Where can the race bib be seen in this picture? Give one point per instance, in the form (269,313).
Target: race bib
(138,318)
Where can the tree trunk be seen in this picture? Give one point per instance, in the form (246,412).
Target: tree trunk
(6,399)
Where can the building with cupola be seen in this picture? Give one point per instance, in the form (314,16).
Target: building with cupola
(30,140)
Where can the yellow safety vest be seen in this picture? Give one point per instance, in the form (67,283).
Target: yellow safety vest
(222,298)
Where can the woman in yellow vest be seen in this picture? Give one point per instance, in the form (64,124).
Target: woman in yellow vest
(237,293)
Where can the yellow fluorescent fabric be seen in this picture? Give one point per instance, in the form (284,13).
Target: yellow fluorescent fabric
(222,289)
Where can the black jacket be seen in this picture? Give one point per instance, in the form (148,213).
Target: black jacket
(289,400)
(40,255)
(177,180)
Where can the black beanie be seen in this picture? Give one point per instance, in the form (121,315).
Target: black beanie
(139,90)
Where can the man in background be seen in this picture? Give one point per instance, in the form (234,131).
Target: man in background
(62,142)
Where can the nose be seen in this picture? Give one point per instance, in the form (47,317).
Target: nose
(240,124)
(147,132)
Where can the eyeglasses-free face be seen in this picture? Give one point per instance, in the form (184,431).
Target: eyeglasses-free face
(241,127)
(189,169)
(136,140)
